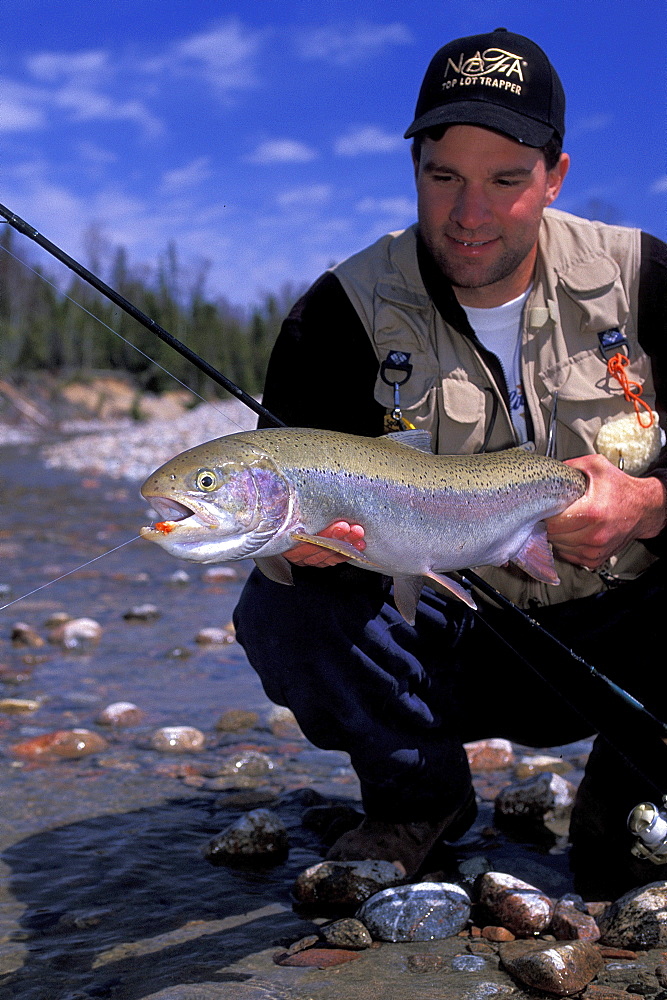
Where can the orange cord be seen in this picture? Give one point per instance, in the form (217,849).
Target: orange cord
(632,390)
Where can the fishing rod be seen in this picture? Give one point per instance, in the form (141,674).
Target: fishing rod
(26,230)
(632,707)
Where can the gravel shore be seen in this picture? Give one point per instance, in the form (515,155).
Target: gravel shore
(130,450)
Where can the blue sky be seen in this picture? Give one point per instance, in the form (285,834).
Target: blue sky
(265,138)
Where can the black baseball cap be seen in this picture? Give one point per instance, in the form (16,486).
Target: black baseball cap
(500,81)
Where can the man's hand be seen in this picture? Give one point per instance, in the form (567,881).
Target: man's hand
(306,554)
(615,509)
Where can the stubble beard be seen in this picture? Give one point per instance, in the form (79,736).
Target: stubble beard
(474,273)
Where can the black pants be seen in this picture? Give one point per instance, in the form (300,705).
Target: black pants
(401,700)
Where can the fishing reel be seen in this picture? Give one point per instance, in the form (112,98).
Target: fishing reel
(649,825)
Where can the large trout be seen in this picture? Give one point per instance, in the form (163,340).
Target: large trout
(258,493)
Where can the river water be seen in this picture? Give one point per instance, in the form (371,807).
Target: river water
(105,892)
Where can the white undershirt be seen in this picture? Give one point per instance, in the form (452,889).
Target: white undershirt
(499,329)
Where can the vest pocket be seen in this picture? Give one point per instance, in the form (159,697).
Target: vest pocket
(463,415)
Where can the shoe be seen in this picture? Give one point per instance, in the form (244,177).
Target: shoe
(406,845)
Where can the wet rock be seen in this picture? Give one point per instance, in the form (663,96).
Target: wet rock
(178,653)
(77,633)
(177,739)
(120,713)
(282,723)
(597,908)
(483,990)
(468,963)
(344,883)
(309,941)
(257,834)
(214,636)
(638,919)
(542,802)
(515,904)
(247,798)
(143,613)
(493,933)
(179,577)
(317,958)
(425,963)
(347,933)
(15,706)
(561,970)
(600,992)
(421,912)
(527,767)
(69,743)
(489,755)
(330,821)
(57,618)
(220,574)
(571,922)
(235,720)
(26,635)
(470,871)
(251,764)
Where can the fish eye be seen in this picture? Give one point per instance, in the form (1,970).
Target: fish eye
(206,480)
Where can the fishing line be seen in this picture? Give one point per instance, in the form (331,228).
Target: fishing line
(120,336)
(69,573)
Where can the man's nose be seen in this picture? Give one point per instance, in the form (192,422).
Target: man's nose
(471,210)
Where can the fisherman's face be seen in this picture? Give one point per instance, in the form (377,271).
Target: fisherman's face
(480,201)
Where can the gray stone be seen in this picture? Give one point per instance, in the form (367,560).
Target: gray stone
(514,904)
(468,963)
(561,970)
(638,919)
(347,933)
(344,883)
(542,801)
(142,613)
(257,834)
(422,912)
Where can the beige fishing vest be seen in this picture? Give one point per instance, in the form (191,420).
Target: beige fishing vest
(586,281)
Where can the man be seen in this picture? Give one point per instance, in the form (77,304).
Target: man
(490,323)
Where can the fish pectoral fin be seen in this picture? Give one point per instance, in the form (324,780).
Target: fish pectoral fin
(335,545)
(276,568)
(536,558)
(406,595)
(452,587)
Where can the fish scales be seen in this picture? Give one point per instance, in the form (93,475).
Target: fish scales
(259,492)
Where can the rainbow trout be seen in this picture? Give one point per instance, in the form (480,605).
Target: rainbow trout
(259,493)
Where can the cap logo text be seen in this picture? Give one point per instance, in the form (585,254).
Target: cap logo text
(485,68)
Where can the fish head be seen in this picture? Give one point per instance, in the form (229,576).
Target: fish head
(219,501)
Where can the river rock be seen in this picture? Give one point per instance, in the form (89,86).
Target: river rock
(259,833)
(489,755)
(282,723)
(214,636)
(235,720)
(143,613)
(69,743)
(571,922)
(344,883)
(177,739)
(422,912)
(638,919)
(529,766)
(77,633)
(561,970)
(468,963)
(26,635)
(347,933)
(515,904)
(316,958)
(219,574)
(15,706)
(544,801)
(120,713)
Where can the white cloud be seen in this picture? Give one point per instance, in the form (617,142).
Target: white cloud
(659,186)
(397,208)
(95,154)
(281,151)
(53,66)
(189,176)
(21,108)
(309,195)
(593,123)
(225,56)
(343,46)
(367,139)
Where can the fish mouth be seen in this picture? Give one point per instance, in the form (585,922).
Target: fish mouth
(170,510)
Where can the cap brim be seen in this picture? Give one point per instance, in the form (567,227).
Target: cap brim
(480,112)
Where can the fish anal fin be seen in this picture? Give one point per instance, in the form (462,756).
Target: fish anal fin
(536,557)
(406,595)
(451,586)
(276,568)
(336,545)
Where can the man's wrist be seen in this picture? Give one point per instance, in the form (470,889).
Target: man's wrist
(655,516)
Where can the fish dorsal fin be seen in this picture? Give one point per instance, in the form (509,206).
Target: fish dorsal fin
(536,558)
(418,439)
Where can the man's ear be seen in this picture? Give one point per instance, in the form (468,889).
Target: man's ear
(555,178)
